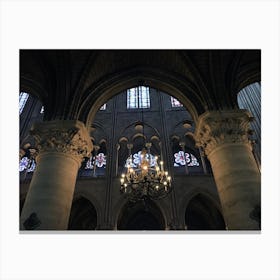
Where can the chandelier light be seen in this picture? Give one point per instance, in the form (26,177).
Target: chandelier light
(148,179)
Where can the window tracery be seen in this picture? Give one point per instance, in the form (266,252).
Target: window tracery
(135,159)
(27,164)
(180,159)
(100,161)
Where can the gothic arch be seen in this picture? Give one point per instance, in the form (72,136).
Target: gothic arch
(122,205)
(156,78)
(202,214)
(85,213)
(71,82)
(141,215)
(190,194)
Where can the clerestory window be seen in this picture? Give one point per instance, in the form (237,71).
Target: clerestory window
(175,102)
(138,97)
(23,96)
(103,107)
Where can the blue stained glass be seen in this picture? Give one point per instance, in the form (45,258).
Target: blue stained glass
(100,161)
(180,159)
(23,163)
(26,163)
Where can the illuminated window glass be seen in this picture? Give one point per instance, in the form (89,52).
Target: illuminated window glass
(132,99)
(138,97)
(23,96)
(100,161)
(144,97)
(103,107)
(180,159)
(175,102)
(135,159)
(42,110)
(27,164)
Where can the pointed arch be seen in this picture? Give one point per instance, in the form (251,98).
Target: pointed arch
(83,215)
(202,213)
(142,215)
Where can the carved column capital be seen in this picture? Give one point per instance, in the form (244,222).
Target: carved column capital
(62,136)
(215,128)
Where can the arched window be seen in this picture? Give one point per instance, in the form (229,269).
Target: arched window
(138,97)
(95,165)
(180,159)
(135,159)
(23,96)
(100,161)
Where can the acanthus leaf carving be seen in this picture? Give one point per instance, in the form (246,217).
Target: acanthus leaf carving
(68,137)
(216,128)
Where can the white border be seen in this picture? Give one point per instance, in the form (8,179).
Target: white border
(145,24)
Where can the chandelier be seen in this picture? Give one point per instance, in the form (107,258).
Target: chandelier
(147,179)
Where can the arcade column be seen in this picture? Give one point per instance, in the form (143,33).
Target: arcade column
(61,145)
(224,137)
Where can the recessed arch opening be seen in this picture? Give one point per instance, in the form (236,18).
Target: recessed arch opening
(83,215)
(202,214)
(141,215)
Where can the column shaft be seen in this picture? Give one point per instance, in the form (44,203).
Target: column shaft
(62,145)
(224,136)
(238,183)
(51,191)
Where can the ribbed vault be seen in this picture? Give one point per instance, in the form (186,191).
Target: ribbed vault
(73,84)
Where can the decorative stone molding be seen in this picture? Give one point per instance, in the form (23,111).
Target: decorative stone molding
(67,137)
(215,128)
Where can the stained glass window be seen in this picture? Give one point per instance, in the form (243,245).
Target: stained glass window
(180,159)
(103,107)
(135,159)
(175,102)
(138,97)
(100,161)
(23,96)
(26,163)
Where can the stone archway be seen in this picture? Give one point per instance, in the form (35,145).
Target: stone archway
(142,215)
(202,214)
(155,78)
(83,215)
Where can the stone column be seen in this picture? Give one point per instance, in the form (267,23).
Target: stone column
(224,136)
(62,145)
(201,153)
(182,145)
